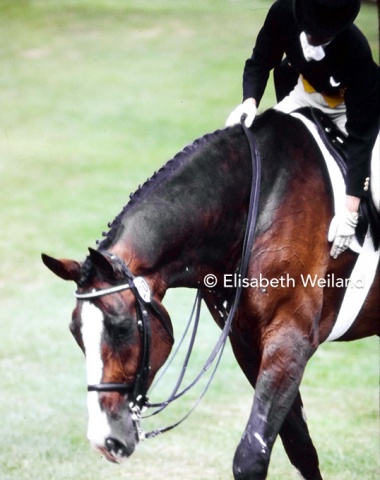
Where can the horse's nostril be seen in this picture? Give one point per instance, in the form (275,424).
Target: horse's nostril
(116,447)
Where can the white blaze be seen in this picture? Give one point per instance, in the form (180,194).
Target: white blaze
(92,329)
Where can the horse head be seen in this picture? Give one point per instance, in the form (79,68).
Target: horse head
(119,325)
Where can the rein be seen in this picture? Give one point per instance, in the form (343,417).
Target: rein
(246,252)
(138,285)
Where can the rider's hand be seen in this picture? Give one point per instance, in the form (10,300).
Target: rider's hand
(248,107)
(342,231)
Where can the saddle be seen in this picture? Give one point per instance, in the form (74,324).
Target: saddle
(335,142)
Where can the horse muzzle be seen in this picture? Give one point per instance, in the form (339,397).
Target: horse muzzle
(115,436)
(114,450)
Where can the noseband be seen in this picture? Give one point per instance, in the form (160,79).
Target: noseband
(140,288)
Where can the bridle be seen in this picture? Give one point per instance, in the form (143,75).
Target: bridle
(145,302)
(138,389)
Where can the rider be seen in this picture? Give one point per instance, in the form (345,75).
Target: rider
(328,65)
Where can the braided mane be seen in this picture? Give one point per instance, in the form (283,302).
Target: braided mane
(160,175)
(150,184)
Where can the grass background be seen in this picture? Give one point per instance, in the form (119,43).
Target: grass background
(95,96)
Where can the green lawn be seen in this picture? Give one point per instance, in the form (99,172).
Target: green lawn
(95,96)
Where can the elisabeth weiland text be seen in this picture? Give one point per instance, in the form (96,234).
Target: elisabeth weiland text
(234,280)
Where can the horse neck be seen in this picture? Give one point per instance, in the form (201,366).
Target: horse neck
(192,222)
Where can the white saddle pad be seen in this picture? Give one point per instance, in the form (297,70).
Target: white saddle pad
(365,268)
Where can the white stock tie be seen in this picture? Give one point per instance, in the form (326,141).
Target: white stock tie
(310,52)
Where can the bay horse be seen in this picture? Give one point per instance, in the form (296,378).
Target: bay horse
(188,222)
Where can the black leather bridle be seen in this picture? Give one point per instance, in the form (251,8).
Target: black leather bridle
(138,389)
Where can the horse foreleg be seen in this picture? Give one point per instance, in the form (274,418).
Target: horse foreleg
(285,354)
(297,442)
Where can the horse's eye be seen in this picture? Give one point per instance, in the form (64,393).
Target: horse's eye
(122,335)
(120,330)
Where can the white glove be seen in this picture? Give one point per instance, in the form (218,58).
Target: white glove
(248,108)
(342,231)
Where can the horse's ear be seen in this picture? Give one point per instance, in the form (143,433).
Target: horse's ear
(102,262)
(63,268)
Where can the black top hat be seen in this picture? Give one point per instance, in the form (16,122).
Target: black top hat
(325,18)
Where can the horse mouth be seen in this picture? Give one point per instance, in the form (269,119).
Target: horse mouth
(115,437)
(114,450)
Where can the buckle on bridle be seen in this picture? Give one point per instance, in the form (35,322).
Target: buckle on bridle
(136,419)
